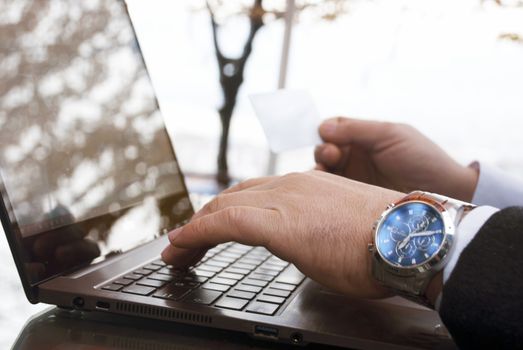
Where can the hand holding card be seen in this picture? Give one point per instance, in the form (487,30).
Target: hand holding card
(289,119)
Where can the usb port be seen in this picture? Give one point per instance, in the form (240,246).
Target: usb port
(265,331)
(102,305)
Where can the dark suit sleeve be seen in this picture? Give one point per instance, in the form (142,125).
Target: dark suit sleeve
(482,303)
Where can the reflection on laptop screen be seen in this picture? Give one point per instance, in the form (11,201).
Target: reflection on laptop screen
(86,163)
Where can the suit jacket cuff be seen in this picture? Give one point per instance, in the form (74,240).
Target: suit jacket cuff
(465,232)
(481,304)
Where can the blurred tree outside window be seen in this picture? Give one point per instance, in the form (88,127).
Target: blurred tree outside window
(231,69)
(445,67)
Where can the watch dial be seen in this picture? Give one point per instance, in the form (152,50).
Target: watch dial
(410,235)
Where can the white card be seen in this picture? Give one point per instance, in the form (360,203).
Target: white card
(289,119)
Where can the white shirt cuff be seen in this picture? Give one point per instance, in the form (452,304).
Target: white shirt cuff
(465,232)
(497,188)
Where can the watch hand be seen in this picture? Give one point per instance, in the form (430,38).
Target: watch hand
(424,233)
(417,234)
(404,242)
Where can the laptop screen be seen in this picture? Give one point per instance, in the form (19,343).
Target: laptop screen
(86,164)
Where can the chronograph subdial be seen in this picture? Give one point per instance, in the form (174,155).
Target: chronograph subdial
(405,251)
(423,243)
(398,232)
(419,222)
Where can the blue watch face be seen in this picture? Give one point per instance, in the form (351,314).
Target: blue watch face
(410,235)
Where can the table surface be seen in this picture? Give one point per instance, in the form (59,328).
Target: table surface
(55,328)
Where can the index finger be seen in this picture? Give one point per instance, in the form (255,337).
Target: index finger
(247,225)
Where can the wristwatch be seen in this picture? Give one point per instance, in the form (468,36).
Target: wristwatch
(413,240)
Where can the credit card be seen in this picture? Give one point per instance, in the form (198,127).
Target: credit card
(289,119)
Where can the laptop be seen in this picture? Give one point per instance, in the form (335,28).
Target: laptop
(90,186)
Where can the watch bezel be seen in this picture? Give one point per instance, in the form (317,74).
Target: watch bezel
(434,263)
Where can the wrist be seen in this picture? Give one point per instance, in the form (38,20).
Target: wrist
(465,186)
(379,205)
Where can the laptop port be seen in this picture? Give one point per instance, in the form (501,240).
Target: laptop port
(102,305)
(266,332)
(78,302)
(296,338)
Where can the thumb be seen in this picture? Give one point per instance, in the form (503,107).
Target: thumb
(347,131)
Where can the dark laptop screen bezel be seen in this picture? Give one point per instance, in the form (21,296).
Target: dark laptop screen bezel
(12,230)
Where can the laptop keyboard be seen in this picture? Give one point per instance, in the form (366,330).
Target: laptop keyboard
(230,276)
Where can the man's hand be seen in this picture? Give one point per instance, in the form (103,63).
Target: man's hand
(320,222)
(390,155)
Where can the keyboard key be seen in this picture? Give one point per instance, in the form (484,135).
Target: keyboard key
(283,286)
(268,266)
(259,254)
(258,307)
(240,247)
(160,277)
(202,273)
(277,292)
(229,254)
(226,259)
(238,270)
(171,271)
(252,282)
(246,288)
(213,262)
(209,268)
(253,261)
(123,282)
(151,283)
(207,256)
(194,278)
(112,287)
(226,281)
(159,263)
(203,296)
(143,272)
(271,299)
(240,265)
(261,277)
(267,271)
(235,250)
(138,290)
(241,294)
(171,293)
(185,283)
(232,276)
(216,287)
(277,262)
(231,303)
(214,250)
(291,275)
(152,267)
(133,277)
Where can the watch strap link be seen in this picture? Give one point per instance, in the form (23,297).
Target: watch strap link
(412,288)
(458,209)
